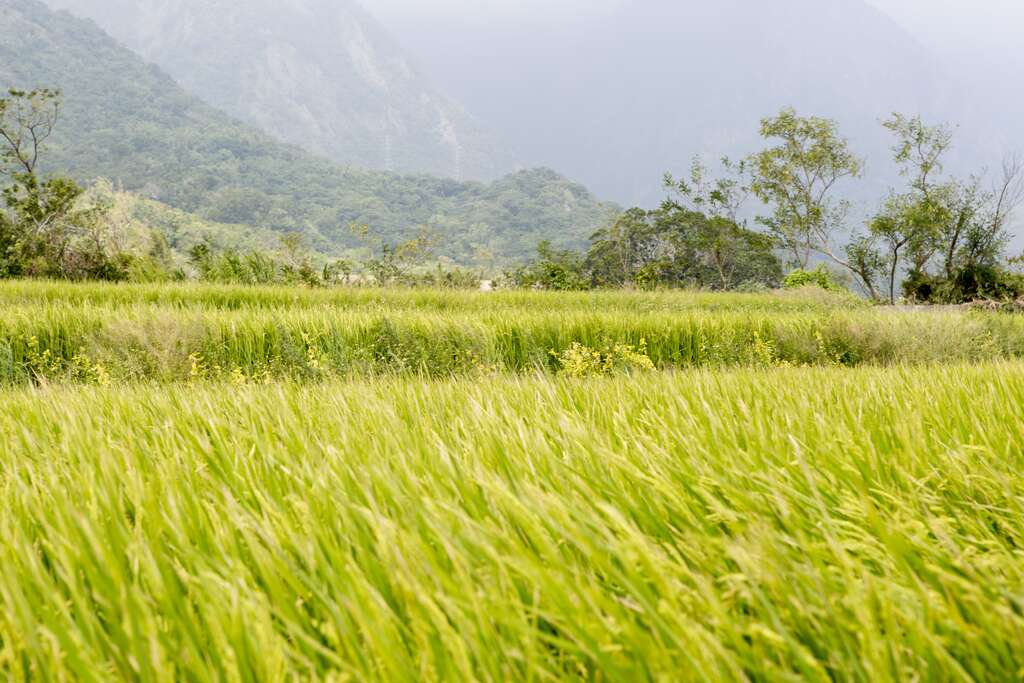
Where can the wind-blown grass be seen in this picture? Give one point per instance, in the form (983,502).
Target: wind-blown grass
(181,333)
(786,524)
(235,297)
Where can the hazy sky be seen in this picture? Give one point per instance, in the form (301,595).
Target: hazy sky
(959,26)
(405,12)
(963,25)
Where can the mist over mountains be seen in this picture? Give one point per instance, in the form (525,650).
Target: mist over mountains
(624,92)
(129,122)
(320,74)
(612,94)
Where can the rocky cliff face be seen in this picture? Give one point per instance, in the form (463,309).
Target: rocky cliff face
(321,74)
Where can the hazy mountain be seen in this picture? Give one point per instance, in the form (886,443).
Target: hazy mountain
(624,91)
(130,122)
(321,74)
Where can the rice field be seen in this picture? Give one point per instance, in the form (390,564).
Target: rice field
(180,333)
(790,487)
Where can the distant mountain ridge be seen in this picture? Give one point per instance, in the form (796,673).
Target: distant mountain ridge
(320,74)
(128,121)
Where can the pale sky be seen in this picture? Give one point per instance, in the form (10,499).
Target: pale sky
(469,11)
(959,26)
(962,25)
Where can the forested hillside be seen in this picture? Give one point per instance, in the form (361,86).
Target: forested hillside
(321,74)
(129,122)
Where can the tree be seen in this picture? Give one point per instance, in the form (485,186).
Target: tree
(797,177)
(979,235)
(711,207)
(27,120)
(905,221)
(957,223)
(912,221)
(50,236)
(919,149)
(678,244)
(44,230)
(620,251)
(721,197)
(554,269)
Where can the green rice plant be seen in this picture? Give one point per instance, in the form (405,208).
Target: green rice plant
(238,297)
(821,524)
(151,332)
(154,342)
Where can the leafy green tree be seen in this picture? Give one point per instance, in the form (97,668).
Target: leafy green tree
(628,246)
(956,223)
(798,177)
(977,235)
(716,234)
(866,262)
(677,246)
(911,222)
(48,235)
(906,222)
(554,269)
(44,230)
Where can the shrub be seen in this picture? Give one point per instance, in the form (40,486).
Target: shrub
(967,284)
(582,361)
(554,269)
(819,277)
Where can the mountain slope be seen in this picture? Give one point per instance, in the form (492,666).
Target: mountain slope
(321,74)
(130,122)
(617,97)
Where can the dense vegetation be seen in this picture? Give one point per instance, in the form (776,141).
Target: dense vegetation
(285,473)
(938,240)
(695,239)
(802,524)
(185,333)
(129,122)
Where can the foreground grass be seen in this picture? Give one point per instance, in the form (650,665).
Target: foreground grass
(794,524)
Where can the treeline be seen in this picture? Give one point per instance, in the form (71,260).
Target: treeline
(294,264)
(694,239)
(937,239)
(53,228)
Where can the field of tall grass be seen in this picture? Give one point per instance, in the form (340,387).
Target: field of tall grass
(815,524)
(215,483)
(176,333)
